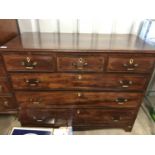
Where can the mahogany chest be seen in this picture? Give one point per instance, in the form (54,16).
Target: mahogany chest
(80,80)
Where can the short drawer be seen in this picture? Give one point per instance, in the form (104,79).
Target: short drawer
(26,62)
(45,117)
(84,63)
(102,116)
(135,64)
(4,85)
(79,99)
(7,103)
(68,81)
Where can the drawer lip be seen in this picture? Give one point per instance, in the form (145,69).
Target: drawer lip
(44,62)
(70,81)
(71,99)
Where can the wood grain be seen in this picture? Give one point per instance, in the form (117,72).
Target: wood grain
(42,63)
(68,42)
(79,99)
(127,63)
(70,81)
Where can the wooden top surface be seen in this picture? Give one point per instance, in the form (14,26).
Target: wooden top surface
(78,42)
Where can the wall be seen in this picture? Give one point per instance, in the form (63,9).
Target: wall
(80,25)
(97,16)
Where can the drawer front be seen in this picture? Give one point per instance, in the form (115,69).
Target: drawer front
(83,63)
(130,64)
(75,117)
(7,103)
(78,81)
(102,116)
(50,117)
(29,62)
(4,85)
(68,98)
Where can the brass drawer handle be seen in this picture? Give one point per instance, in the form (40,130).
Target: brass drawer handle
(121,100)
(125,83)
(131,65)
(28,63)
(4,103)
(116,119)
(50,121)
(43,119)
(35,101)
(38,120)
(80,64)
(32,82)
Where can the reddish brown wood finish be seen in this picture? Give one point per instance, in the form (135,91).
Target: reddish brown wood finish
(7,103)
(79,98)
(125,63)
(4,85)
(96,81)
(101,116)
(68,81)
(2,70)
(82,43)
(77,62)
(77,117)
(46,117)
(28,62)
(8,30)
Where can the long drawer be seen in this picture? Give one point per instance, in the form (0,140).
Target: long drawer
(78,98)
(64,117)
(68,81)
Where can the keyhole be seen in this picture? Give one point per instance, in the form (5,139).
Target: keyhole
(131,61)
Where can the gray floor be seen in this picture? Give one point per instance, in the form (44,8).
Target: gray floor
(143,126)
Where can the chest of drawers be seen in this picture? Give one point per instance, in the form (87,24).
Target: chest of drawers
(71,83)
